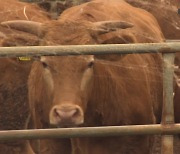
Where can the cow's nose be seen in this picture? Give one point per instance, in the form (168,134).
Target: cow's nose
(63,114)
(66,115)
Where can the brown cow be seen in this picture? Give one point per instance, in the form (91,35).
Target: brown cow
(169,21)
(14,73)
(97,90)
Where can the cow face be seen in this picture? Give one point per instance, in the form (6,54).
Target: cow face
(69,81)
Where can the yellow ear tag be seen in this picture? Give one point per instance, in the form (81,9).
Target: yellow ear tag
(24,58)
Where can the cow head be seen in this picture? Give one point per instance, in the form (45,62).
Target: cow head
(68,80)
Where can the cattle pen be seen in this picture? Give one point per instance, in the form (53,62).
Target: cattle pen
(167,128)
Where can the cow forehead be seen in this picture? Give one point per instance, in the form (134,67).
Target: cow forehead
(68,33)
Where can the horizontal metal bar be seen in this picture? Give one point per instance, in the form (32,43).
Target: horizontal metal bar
(173,40)
(89,49)
(90,132)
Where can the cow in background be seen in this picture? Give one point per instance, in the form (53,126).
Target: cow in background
(56,7)
(166,15)
(97,90)
(14,72)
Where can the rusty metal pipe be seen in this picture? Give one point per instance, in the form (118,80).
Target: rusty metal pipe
(168,106)
(89,49)
(90,132)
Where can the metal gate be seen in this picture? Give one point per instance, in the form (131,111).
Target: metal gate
(167,128)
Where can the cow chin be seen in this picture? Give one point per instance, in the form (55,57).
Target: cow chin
(68,115)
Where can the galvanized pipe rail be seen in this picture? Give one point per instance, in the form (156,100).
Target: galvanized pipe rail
(167,127)
(90,49)
(90,132)
(168,106)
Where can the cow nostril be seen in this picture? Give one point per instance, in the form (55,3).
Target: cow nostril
(56,113)
(76,113)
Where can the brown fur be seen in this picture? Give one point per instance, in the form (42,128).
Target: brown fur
(166,15)
(177,104)
(15,10)
(169,21)
(124,92)
(177,89)
(14,73)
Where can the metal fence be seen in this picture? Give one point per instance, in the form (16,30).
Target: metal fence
(167,128)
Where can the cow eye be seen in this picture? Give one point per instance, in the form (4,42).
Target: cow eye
(45,65)
(90,64)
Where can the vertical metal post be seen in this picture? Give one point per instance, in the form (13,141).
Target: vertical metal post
(168,106)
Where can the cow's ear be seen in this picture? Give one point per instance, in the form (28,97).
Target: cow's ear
(25,26)
(103,27)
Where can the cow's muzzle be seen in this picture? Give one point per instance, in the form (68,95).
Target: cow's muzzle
(68,115)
